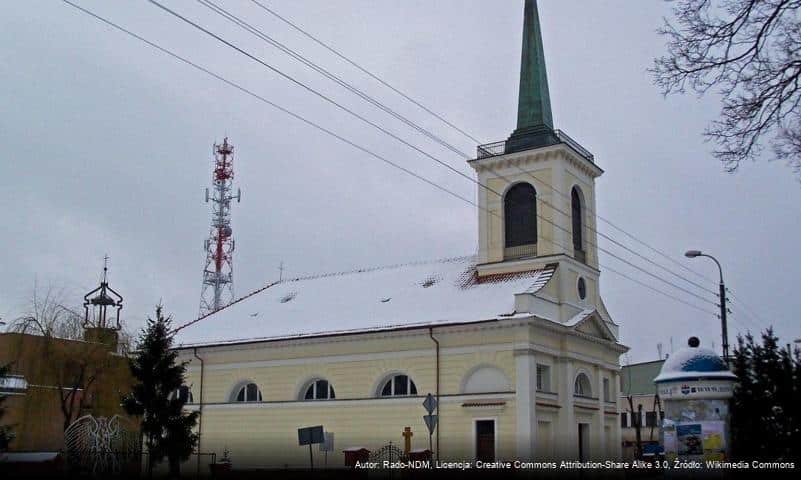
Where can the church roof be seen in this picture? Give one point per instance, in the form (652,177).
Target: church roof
(419,294)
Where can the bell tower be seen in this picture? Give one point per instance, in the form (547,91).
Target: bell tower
(538,207)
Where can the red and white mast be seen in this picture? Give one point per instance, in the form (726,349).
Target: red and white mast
(218,275)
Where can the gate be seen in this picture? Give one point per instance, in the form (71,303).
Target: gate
(101,446)
(389,453)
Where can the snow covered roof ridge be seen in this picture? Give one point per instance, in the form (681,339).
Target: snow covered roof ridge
(323,275)
(431,292)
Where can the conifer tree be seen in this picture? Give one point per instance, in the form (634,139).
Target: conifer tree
(6,434)
(166,428)
(765,407)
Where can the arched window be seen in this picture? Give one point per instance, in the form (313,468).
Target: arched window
(520,215)
(319,390)
(578,224)
(582,388)
(248,393)
(184,393)
(398,386)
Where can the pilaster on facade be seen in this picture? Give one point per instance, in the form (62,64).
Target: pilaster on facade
(599,453)
(617,448)
(566,440)
(526,402)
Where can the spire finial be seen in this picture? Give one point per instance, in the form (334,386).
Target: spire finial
(105,268)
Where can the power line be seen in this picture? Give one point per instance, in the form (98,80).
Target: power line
(383,130)
(466,134)
(273,104)
(306,87)
(322,71)
(364,70)
(299,57)
(661,292)
(745,307)
(329,132)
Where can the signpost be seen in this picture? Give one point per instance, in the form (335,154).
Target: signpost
(309,436)
(327,445)
(430,404)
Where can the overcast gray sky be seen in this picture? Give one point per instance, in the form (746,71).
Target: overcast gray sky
(107,149)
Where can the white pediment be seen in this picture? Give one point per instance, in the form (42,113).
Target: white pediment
(589,322)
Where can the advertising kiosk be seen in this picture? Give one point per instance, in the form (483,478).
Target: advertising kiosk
(695,386)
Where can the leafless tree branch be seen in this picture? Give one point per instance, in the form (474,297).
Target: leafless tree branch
(749,52)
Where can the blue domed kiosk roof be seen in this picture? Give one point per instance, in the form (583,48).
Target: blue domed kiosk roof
(694,363)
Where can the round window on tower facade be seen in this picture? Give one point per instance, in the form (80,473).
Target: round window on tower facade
(582,288)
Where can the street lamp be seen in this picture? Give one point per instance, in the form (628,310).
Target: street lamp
(723,326)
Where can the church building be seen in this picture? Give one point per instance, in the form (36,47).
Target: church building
(514,343)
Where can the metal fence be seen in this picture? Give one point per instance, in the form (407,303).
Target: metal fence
(499,148)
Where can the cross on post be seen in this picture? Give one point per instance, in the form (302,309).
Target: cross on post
(407,440)
(105,268)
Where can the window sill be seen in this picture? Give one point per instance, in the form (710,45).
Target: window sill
(520,251)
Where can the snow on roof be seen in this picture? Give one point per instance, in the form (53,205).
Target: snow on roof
(579,317)
(694,362)
(381,298)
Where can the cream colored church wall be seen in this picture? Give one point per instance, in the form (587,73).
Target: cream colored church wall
(267,434)
(355,367)
(282,379)
(357,418)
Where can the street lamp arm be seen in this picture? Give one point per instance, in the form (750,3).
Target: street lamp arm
(720,269)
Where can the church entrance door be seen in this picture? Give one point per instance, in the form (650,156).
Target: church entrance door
(485,440)
(584,441)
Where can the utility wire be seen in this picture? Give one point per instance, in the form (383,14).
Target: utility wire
(364,70)
(661,292)
(274,105)
(414,147)
(307,88)
(263,36)
(468,135)
(746,309)
(329,132)
(322,71)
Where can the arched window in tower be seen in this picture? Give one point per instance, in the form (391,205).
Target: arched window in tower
(520,221)
(578,225)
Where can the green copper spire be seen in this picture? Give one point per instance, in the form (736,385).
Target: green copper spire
(534,120)
(534,104)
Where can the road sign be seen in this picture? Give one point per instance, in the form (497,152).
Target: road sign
(328,442)
(311,435)
(431,422)
(430,403)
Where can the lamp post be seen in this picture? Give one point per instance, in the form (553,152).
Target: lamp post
(723,325)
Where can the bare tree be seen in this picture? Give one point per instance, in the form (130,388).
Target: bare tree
(749,51)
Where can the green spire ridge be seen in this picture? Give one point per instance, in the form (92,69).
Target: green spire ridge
(534,119)
(534,104)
